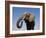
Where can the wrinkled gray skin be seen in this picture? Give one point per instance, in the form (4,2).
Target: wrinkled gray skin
(29,20)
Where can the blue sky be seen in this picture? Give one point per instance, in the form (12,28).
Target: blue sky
(18,11)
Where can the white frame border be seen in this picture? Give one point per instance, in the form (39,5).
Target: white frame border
(26,6)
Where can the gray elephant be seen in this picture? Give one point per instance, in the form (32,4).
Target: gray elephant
(29,20)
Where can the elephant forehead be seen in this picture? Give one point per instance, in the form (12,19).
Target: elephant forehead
(31,16)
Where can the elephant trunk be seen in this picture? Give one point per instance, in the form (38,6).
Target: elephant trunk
(18,23)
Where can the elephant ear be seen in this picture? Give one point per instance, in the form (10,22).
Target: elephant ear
(31,18)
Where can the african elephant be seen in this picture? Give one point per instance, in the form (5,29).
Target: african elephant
(29,20)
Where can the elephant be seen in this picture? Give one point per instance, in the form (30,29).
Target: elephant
(29,19)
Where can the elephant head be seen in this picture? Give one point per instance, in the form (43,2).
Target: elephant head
(29,20)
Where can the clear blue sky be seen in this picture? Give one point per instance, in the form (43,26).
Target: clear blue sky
(18,11)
